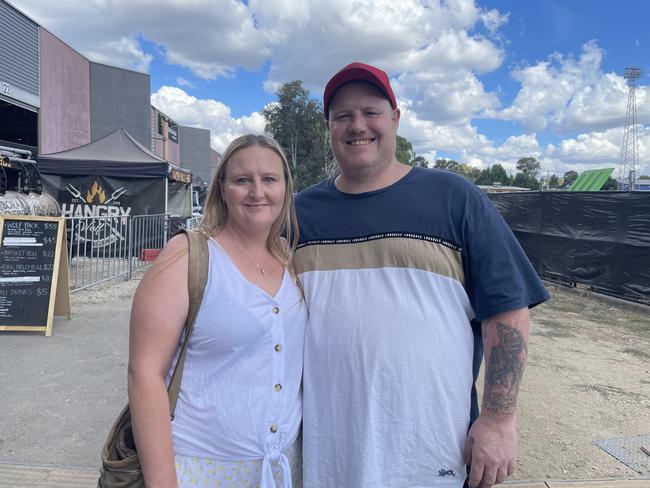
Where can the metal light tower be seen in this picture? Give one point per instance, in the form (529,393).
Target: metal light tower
(630,150)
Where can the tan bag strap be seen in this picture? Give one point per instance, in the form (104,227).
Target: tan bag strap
(197,276)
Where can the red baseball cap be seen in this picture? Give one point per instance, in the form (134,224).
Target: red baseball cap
(358,72)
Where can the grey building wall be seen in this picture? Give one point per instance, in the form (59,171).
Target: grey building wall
(195,151)
(18,56)
(119,98)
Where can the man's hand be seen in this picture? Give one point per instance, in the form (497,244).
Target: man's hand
(491,449)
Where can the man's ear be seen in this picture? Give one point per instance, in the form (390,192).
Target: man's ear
(395,117)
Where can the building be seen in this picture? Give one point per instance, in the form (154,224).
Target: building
(53,99)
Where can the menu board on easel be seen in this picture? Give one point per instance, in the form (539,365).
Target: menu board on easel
(33,272)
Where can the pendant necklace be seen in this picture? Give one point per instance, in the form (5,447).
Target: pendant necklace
(260,267)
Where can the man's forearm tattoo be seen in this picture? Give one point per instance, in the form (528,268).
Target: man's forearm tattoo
(504,369)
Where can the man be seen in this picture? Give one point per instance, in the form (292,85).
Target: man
(399,265)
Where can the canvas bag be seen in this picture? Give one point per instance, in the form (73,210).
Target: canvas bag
(120,463)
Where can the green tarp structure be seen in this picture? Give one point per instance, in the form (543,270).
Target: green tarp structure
(592,180)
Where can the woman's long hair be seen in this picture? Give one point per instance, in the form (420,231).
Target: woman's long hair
(215,212)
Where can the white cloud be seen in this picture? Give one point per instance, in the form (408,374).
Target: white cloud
(567,95)
(445,97)
(180,81)
(433,50)
(493,20)
(599,149)
(311,40)
(208,114)
(210,37)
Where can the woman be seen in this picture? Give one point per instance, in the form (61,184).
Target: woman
(239,410)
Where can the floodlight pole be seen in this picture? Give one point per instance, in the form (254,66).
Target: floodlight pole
(630,149)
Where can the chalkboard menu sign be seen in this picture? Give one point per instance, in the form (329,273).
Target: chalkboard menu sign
(31,260)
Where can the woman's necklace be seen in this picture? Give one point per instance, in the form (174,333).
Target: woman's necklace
(260,267)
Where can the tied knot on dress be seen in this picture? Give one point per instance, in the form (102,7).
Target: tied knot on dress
(275,456)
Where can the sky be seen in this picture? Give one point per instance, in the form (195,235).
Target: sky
(481,82)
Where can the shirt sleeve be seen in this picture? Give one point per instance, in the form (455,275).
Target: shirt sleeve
(499,276)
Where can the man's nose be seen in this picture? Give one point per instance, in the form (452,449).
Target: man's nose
(358,123)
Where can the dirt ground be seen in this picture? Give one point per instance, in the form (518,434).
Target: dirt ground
(587,378)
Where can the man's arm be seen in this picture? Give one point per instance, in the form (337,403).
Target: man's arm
(492,440)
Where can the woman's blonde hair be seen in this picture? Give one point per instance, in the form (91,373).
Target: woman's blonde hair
(215,211)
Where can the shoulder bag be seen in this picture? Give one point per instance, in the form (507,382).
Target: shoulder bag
(120,463)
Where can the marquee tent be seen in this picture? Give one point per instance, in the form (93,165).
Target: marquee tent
(115,175)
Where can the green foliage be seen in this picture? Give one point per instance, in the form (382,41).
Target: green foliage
(494,174)
(568,178)
(529,166)
(446,164)
(296,121)
(610,184)
(420,162)
(525,181)
(404,151)
(554,181)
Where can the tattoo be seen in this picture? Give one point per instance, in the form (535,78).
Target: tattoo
(505,369)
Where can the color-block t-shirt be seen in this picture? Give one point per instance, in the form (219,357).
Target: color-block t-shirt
(393,280)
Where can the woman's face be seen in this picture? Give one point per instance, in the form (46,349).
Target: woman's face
(253,189)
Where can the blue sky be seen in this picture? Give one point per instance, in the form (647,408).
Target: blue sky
(482,82)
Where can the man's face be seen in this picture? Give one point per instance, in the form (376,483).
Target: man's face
(363,127)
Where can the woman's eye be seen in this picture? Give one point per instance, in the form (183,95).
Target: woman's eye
(270,179)
(241,180)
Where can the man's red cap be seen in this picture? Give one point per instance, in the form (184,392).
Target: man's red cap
(358,72)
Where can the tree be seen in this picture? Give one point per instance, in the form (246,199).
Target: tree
(554,181)
(494,174)
(446,164)
(499,174)
(420,162)
(525,181)
(610,184)
(404,151)
(529,166)
(297,122)
(569,177)
(470,172)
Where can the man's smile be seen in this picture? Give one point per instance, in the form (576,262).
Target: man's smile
(360,142)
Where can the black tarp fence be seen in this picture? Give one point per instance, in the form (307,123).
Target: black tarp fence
(598,239)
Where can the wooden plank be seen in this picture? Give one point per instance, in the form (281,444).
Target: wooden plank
(28,328)
(626,483)
(62,301)
(523,484)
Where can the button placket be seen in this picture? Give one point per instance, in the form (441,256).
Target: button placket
(277,361)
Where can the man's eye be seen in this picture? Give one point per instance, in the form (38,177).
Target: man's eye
(372,113)
(341,117)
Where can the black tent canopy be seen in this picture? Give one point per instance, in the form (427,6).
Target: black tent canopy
(116,155)
(115,175)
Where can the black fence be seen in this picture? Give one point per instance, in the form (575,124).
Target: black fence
(600,240)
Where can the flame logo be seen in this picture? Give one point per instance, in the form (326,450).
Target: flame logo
(95,191)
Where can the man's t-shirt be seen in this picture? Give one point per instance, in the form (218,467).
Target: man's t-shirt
(393,280)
